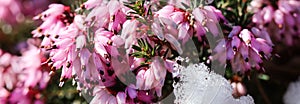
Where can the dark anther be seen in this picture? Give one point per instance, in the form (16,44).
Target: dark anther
(62,79)
(68,65)
(101,72)
(234,48)
(261,53)
(53,68)
(56,36)
(247,59)
(103,80)
(110,72)
(295,28)
(54,47)
(82,6)
(106,56)
(45,15)
(47,35)
(40,30)
(109,42)
(108,64)
(176,79)
(266,25)
(178,62)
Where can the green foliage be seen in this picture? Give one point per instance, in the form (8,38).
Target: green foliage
(137,6)
(144,50)
(235,11)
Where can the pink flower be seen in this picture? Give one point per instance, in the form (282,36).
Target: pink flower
(103,95)
(238,89)
(145,96)
(129,32)
(200,21)
(97,48)
(244,50)
(177,16)
(4,95)
(278,17)
(206,17)
(255,5)
(91,4)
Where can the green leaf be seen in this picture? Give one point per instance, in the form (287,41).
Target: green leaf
(264,77)
(139,54)
(128,5)
(142,20)
(228,73)
(185,5)
(152,52)
(150,11)
(141,44)
(146,45)
(136,48)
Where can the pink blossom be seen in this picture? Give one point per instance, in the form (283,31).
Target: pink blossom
(91,4)
(121,98)
(177,16)
(238,89)
(96,48)
(244,50)
(145,96)
(4,95)
(129,32)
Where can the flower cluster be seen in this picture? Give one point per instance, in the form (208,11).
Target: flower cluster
(244,49)
(103,43)
(22,78)
(85,47)
(281,19)
(139,51)
(195,23)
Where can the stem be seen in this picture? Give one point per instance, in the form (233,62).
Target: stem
(261,91)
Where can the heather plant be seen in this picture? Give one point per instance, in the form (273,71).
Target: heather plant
(143,51)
